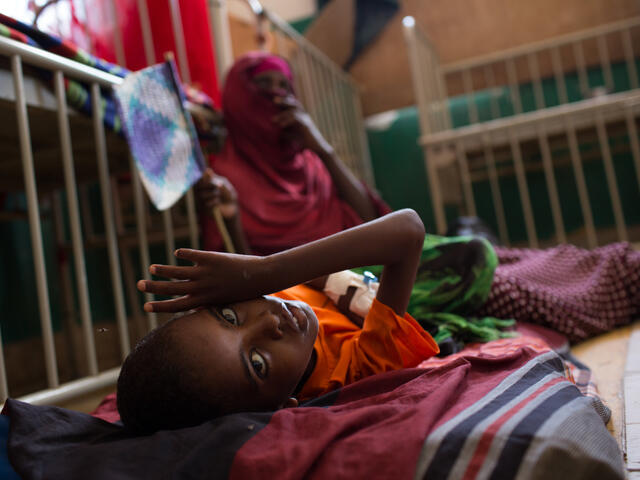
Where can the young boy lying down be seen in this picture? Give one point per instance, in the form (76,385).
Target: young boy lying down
(245,348)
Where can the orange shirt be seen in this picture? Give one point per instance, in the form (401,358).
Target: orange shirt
(346,353)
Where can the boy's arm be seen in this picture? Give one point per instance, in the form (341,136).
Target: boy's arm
(394,241)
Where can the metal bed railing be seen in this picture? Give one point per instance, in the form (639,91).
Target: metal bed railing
(592,108)
(329,94)
(60,67)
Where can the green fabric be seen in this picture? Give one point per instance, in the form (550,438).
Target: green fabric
(302,24)
(454,279)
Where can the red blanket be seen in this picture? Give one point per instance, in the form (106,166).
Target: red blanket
(502,411)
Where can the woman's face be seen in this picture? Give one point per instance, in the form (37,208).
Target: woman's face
(272,82)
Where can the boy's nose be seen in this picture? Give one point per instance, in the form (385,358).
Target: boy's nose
(269,325)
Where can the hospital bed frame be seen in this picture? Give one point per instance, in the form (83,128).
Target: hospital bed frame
(95,152)
(446,146)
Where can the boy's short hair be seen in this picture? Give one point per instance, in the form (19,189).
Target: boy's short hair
(161,388)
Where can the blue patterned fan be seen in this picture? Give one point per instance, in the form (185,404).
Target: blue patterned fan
(161,135)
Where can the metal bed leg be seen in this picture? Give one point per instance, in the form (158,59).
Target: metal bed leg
(466,179)
(4,388)
(34,223)
(192,219)
(74,223)
(603,52)
(143,241)
(523,190)
(610,174)
(147,37)
(583,195)
(503,232)
(547,164)
(107,207)
(170,242)
(76,352)
(436,195)
(629,57)
(633,139)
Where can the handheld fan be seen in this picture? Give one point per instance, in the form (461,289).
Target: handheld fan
(161,136)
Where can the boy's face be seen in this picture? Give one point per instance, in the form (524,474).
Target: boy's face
(256,351)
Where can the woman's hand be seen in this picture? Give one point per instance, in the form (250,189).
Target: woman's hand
(213,279)
(296,122)
(216,191)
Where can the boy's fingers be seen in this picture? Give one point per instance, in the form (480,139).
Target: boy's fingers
(195,256)
(174,305)
(172,271)
(168,288)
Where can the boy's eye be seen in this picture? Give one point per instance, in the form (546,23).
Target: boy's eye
(229,315)
(259,364)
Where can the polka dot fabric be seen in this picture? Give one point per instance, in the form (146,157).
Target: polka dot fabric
(578,292)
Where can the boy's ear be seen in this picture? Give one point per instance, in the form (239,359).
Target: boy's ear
(291,402)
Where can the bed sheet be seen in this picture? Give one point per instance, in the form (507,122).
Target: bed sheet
(506,410)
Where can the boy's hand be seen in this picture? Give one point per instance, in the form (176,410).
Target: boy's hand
(213,279)
(216,191)
(394,241)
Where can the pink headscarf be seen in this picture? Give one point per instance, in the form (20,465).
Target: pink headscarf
(273,63)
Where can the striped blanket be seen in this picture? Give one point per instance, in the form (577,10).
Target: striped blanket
(500,410)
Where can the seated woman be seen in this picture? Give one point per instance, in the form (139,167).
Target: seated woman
(292,187)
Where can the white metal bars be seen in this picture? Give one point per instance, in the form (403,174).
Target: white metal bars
(61,67)
(34,222)
(18,53)
(532,125)
(564,121)
(329,94)
(424,66)
(480,73)
(428,82)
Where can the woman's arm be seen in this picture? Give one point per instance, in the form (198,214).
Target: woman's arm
(394,241)
(299,123)
(349,187)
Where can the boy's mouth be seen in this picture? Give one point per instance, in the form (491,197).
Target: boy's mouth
(296,318)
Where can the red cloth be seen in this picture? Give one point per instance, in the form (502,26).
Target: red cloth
(99,29)
(286,196)
(580,293)
(108,409)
